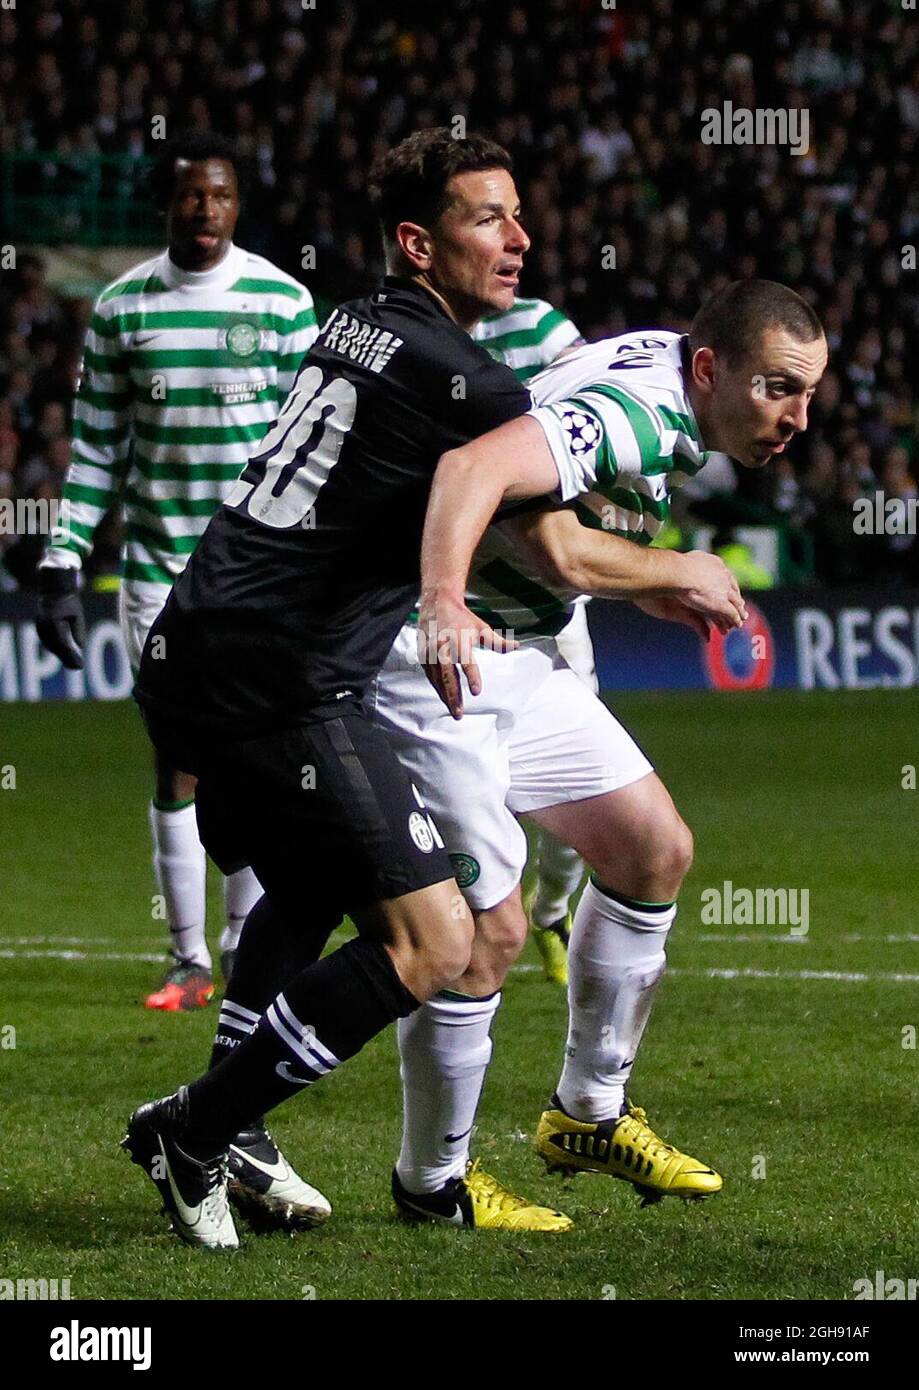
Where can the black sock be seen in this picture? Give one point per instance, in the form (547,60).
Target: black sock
(273,949)
(324,1016)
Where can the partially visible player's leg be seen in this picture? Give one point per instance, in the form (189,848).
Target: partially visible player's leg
(559,869)
(446,1046)
(445,1049)
(179,861)
(579,774)
(640,850)
(274,947)
(241,891)
(180,866)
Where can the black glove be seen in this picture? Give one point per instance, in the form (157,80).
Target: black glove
(59,620)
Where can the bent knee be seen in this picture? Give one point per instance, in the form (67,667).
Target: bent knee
(654,862)
(682,849)
(669,853)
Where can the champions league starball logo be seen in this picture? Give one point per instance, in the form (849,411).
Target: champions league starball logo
(583,432)
(743,659)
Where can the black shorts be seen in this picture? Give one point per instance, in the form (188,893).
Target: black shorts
(323,812)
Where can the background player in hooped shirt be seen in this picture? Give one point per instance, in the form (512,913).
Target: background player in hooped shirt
(621,421)
(527,338)
(188,357)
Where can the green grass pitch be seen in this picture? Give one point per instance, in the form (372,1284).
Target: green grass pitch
(804,1079)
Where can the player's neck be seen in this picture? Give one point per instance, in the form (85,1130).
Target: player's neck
(459,316)
(187,264)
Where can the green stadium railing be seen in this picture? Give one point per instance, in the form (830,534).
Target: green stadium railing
(86,199)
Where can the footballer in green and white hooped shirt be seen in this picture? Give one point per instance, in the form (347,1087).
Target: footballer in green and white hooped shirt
(188,358)
(527,338)
(614,428)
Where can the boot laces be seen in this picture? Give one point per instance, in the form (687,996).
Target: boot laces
(490,1191)
(643,1136)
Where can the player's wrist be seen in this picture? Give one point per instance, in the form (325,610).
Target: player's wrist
(440,593)
(667,574)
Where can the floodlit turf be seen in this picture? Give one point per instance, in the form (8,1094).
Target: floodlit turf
(806,1080)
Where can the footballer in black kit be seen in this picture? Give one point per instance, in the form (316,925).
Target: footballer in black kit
(252,675)
(252,678)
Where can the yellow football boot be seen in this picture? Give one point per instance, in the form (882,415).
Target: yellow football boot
(480,1201)
(497,1209)
(552,945)
(623,1148)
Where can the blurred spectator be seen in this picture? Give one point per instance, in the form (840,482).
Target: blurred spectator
(634,221)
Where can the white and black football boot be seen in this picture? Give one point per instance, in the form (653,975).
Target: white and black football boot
(265,1188)
(194,1191)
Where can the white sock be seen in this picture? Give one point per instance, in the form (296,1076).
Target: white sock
(241,891)
(445,1049)
(180,865)
(559,870)
(615,961)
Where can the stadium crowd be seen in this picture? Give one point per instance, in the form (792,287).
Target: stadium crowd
(634,219)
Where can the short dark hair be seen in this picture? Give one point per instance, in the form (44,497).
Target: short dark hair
(732,320)
(409,184)
(195,147)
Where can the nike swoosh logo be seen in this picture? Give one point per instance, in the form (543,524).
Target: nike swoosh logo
(187,1215)
(284,1072)
(455,1138)
(277,1170)
(455,1219)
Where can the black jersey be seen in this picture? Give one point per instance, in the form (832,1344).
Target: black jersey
(297,588)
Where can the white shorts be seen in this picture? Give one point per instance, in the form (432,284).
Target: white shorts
(137,609)
(536,736)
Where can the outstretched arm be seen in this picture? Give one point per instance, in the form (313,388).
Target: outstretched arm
(666,583)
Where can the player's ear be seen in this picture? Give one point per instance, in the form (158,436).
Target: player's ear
(414,242)
(703,368)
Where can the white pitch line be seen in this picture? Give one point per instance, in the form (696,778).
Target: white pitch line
(750,936)
(81,955)
(891,938)
(843,976)
(57,940)
(851,939)
(846,976)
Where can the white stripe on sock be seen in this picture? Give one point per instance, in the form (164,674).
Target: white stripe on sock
(307,1033)
(247,1015)
(294,1043)
(226,1020)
